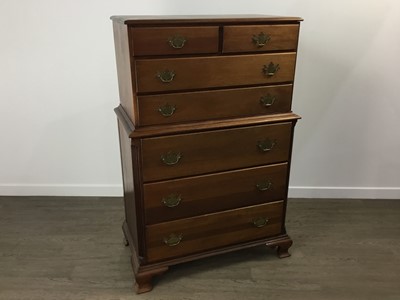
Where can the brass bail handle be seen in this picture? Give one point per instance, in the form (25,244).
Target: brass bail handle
(167,110)
(264,185)
(271,69)
(260,222)
(177,41)
(171,158)
(171,200)
(173,239)
(261,39)
(166,76)
(267,100)
(266,145)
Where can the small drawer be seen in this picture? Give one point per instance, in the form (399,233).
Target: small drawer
(174,74)
(198,195)
(260,38)
(209,105)
(174,40)
(220,150)
(187,236)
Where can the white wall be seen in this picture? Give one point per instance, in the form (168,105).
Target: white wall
(58,86)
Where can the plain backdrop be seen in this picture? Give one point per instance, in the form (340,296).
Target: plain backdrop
(58,88)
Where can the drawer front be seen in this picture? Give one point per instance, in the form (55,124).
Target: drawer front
(208,105)
(188,197)
(175,40)
(220,150)
(260,38)
(157,75)
(187,236)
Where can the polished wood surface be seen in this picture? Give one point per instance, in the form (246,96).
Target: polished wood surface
(214,151)
(209,105)
(164,130)
(126,85)
(213,71)
(215,192)
(213,230)
(155,40)
(208,136)
(131,212)
(240,38)
(203,19)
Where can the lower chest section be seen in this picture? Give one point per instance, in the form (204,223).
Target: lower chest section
(213,189)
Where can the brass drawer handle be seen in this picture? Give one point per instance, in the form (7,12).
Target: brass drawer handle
(267,100)
(171,158)
(167,110)
(264,185)
(166,76)
(177,41)
(260,222)
(271,69)
(173,239)
(171,200)
(261,39)
(266,145)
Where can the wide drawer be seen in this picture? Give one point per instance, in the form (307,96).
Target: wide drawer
(187,236)
(157,75)
(200,153)
(174,40)
(260,38)
(208,105)
(188,197)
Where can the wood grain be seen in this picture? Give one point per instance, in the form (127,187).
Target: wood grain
(216,192)
(239,38)
(214,151)
(210,105)
(125,83)
(154,40)
(128,184)
(213,230)
(213,71)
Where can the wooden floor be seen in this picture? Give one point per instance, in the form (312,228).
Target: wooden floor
(71,248)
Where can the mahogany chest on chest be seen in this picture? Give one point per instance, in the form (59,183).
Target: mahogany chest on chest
(206,131)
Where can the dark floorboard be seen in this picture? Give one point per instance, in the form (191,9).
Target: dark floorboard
(71,248)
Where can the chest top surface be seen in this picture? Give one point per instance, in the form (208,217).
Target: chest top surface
(201,19)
